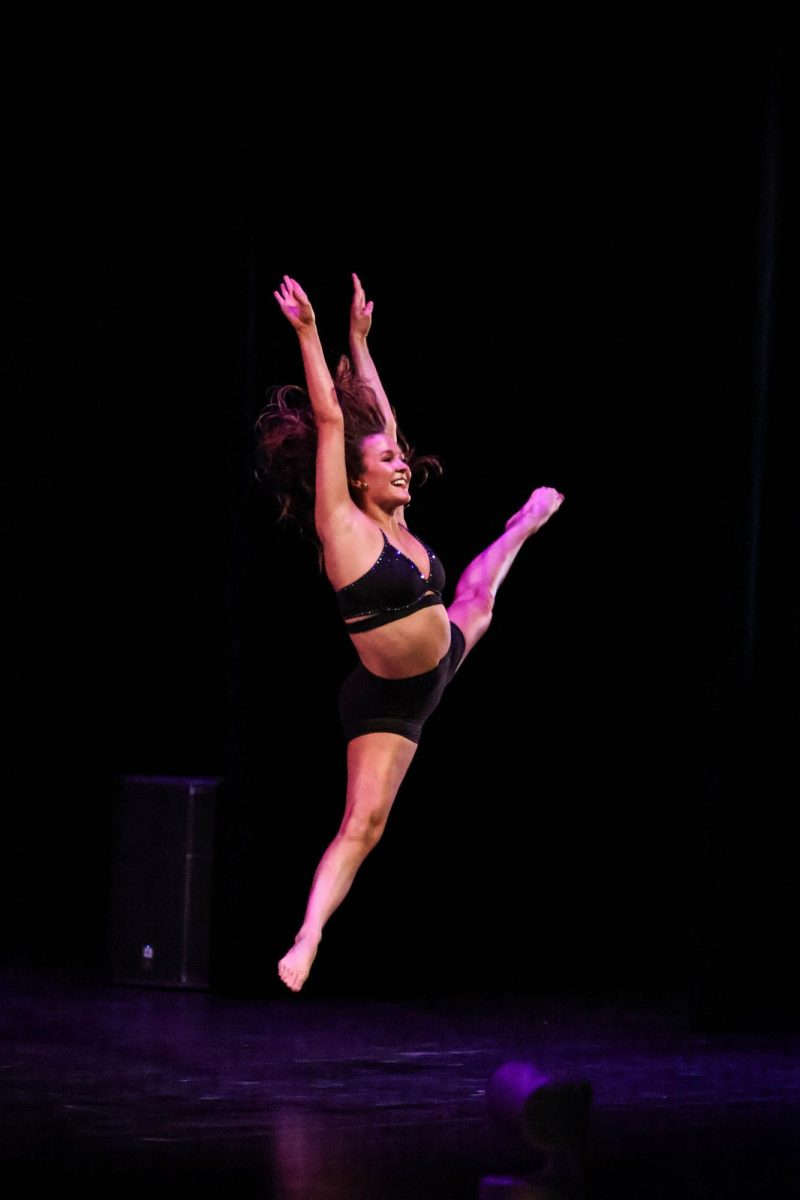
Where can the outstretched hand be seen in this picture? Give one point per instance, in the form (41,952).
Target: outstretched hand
(295,304)
(360,310)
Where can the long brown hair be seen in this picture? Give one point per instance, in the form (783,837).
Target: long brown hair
(287,444)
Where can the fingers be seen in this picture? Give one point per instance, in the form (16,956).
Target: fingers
(291,298)
(290,289)
(360,305)
(294,288)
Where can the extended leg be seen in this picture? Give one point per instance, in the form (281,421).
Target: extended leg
(376,766)
(472,607)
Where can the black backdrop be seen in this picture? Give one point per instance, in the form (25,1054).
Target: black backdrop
(581,273)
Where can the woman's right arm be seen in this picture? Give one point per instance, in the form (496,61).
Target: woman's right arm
(296,307)
(333,500)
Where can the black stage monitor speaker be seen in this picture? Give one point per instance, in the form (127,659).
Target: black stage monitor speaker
(161,892)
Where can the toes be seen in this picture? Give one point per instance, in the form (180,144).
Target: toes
(293,978)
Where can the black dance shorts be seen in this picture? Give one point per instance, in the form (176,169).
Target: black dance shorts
(371,704)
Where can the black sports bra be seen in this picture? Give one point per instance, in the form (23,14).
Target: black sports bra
(392,588)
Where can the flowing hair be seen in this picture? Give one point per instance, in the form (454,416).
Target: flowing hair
(286,451)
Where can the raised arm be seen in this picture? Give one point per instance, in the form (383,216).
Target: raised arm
(296,307)
(333,499)
(360,322)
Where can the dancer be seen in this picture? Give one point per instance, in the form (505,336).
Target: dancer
(338,463)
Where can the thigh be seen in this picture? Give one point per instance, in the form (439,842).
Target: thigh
(376,766)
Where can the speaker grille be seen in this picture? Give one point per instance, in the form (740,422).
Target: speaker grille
(162,880)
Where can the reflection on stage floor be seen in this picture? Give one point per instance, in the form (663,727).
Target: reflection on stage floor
(123,1090)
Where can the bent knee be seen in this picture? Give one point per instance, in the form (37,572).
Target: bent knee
(478,598)
(364,828)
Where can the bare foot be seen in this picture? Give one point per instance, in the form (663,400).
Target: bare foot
(538,509)
(295,966)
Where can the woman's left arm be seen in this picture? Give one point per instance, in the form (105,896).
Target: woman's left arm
(363,365)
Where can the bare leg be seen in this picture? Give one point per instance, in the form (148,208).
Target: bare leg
(472,607)
(376,766)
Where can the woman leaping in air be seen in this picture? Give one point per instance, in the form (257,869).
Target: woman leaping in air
(334,455)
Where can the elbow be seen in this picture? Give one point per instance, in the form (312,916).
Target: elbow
(331,417)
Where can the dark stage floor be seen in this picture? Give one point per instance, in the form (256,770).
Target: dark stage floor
(121,1091)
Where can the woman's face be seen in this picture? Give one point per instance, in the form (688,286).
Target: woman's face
(385,471)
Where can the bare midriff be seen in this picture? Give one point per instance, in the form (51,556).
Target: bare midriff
(409,646)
